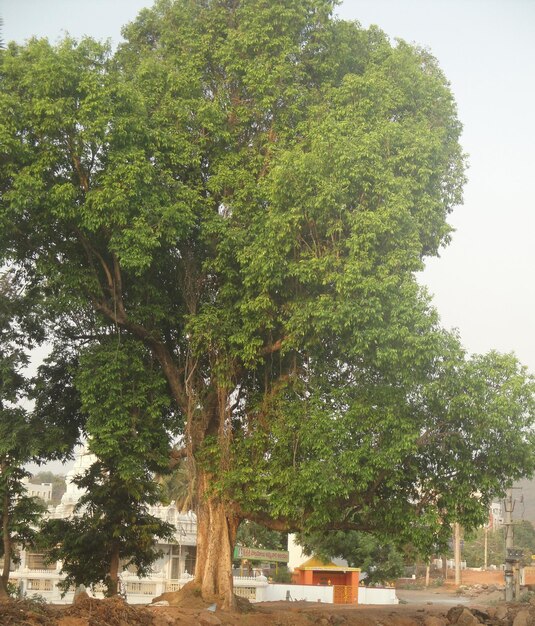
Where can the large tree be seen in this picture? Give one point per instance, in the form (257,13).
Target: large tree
(248,189)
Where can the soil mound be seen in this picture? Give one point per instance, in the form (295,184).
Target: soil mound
(108,612)
(30,613)
(189,597)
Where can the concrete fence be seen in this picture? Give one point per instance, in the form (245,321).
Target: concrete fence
(377,595)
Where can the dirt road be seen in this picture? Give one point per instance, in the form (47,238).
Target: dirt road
(429,596)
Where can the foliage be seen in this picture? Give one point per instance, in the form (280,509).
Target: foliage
(127,412)
(252,535)
(21,438)
(247,190)
(178,485)
(22,512)
(526,596)
(114,524)
(379,558)
(474,544)
(57,404)
(13,589)
(281,575)
(125,399)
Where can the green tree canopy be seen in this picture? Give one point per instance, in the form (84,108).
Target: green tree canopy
(252,535)
(378,557)
(247,189)
(473,549)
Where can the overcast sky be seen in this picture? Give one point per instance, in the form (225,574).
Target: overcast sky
(483,284)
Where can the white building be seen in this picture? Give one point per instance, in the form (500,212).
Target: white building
(496,515)
(43,490)
(169,573)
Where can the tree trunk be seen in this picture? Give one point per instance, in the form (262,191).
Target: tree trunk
(113,583)
(216,534)
(6,540)
(217,523)
(445,567)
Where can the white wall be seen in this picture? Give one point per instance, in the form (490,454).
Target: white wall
(310,593)
(377,595)
(320,593)
(296,555)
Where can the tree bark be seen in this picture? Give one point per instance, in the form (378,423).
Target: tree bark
(6,539)
(217,526)
(113,584)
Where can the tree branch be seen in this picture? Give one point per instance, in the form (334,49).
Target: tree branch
(272,348)
(84,180)
(118,285)
(280,524)
(158,349)
(176,455)
(90,253)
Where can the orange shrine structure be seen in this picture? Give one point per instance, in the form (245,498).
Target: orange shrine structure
(344,579)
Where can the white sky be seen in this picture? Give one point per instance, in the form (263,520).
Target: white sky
(483,283)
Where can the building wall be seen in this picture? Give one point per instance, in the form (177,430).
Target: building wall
(377,595)
(42,490)
(296,554)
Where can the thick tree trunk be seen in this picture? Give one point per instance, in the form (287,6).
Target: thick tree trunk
(216,534)
(113,585)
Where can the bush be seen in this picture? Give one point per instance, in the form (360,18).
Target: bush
(282,575)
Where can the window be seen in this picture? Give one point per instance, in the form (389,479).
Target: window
(191,558)
(182,560)
(36,561)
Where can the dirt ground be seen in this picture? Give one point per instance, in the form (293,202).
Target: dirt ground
(435,606)
(107,613)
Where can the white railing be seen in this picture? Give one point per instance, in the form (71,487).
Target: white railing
(141,588)
(138,590)
(249,593)
(42,570)
(40,584)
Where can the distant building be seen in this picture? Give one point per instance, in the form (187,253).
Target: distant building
(496,515)
(524,495)
(314,579)
(43,490)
